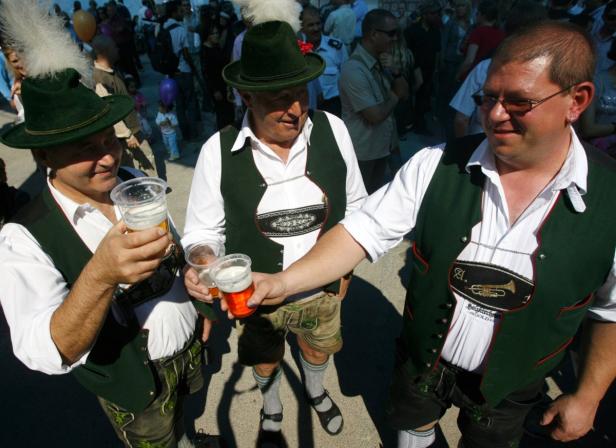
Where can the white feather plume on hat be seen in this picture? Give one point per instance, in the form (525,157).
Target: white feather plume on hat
(40,38)
(260,11)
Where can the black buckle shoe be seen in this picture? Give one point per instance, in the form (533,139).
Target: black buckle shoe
(270,439)
(204,440)
(326,416)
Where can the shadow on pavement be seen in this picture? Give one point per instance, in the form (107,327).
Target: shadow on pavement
(218,346)
(370,325)
(44,410)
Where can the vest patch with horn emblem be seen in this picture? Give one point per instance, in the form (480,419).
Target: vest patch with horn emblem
(490,286)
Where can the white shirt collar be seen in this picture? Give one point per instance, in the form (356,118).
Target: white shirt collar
(246,132)
(100,67)
(73,210)
(571,177)
(170,22)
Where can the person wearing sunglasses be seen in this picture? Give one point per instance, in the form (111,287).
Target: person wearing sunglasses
(370,88)
(513,250)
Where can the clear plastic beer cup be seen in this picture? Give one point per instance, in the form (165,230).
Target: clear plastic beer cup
(142,202)
(233,276)
(201,258)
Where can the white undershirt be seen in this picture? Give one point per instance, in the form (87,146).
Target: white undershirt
(32,289)
(390,213)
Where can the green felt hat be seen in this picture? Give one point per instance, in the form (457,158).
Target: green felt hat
(59,109)
(272,60)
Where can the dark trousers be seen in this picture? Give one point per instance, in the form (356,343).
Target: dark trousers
(126,62)
(186,105)
(373,173)
(416,402)
(423,99)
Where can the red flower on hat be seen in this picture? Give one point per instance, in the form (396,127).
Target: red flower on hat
(305,47)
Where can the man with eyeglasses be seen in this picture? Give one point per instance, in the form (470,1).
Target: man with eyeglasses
(514,246)
(370,88)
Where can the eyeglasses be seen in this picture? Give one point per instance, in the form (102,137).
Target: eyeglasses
(518,106)
(390,33)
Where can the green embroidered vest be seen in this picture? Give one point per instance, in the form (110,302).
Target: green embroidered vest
(574,257)
(117,367)
(242,188)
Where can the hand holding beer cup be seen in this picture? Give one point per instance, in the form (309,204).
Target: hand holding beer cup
(127,258)
(200,258)
(233,276)
(143,204)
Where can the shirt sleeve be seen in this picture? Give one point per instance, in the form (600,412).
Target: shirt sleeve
(32,290)
(329,24)
(120,128)
(6,81)
(355,190)
(356,85)
(173,119)
(391,212)
(463,100)
(604,308)
(159,119)
(205,214)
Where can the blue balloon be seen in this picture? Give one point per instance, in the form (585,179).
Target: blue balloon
(168,91)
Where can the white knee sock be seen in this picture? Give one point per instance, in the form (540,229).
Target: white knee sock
(416,439)
(269,387)
(313,378)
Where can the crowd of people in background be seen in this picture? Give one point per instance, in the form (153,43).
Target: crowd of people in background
(442,50)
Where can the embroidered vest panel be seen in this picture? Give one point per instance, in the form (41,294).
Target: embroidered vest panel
(569,264)
(243,187)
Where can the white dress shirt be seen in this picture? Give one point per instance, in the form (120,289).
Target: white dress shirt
(287,187)
(179,41)
(32,289)
(341,24)
(334,57)
(463,101)
(391,212)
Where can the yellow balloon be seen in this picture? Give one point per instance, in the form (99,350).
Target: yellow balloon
(84,24)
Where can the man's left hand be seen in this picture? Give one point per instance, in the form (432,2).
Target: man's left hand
(570,416)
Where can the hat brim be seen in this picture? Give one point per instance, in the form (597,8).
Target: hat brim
(314,67)
(17,137)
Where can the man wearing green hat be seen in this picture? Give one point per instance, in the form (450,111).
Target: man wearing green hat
(79,292)
(269,190)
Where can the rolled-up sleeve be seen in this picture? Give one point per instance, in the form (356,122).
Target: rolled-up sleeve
(32,289)
(391,212)
(205,214)
(604,307)
(355,189)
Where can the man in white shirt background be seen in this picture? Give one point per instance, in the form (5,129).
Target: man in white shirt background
(333,52)
(187,107)
(513,248)
(268,190)
(341,23)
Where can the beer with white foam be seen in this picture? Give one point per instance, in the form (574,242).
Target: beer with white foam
(233,277)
